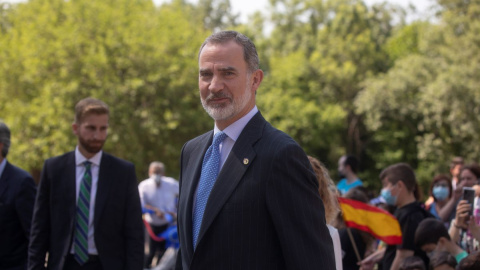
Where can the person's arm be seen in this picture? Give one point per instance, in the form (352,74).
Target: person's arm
(400,255)
(24,203)
(460,221)
(447,209)
(474,229)
(133,225)
(369,262)
(40,229)
(157,211)
(297,212)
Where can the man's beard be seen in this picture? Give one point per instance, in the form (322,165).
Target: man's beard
(229,110)
(89,147)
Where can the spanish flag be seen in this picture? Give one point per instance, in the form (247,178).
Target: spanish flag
(373,220)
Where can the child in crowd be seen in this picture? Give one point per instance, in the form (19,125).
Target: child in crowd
(442,260)
(431,235)
(400,189)
(412,263)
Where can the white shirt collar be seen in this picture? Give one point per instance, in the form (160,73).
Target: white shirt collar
(79,158)
(233,131)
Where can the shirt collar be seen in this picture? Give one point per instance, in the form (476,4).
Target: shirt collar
(2,166)
(233,131)
(79,158)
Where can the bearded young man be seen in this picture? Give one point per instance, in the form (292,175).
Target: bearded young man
(250,199)
(87,212)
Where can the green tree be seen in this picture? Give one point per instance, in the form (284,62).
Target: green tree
(423,110)
(139,59)
(320,53)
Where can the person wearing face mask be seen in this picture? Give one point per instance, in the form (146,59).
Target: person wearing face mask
(400,189)
(465,229)
(432,236)
(158,194)
(468,177)
(441,191)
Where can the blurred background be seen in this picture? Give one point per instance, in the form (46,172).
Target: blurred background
(385,81)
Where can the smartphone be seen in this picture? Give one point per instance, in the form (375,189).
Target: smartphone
(468,194)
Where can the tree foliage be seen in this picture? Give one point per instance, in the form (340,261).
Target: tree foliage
(430,98)
(341,77)
(139,59)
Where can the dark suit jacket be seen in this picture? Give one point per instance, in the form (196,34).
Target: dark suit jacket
(264,211)
(119,236)
(17,196)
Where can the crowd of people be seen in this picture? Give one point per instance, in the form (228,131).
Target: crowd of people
(248,196)
(442,232)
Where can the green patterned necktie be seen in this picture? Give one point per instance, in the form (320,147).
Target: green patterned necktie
(83,213)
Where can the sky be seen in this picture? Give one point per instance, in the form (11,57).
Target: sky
(247,7)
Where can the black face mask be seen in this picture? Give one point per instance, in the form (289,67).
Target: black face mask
(340,175)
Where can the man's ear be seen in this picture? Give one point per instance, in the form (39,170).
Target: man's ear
(442,241)
(400,184)
(75,128)
(348,166)
(257,78)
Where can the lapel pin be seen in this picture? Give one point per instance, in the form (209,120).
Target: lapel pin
(245,161)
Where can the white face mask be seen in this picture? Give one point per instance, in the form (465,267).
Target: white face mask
(157,178)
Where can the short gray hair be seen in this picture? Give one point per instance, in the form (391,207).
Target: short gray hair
(157,167)
(4,138)
(249,51)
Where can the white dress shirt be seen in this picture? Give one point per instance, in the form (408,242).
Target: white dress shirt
(233,132)
(163,197)
(79,172)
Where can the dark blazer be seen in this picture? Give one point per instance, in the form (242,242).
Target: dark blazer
(119,236)
(264,211)
(17,197)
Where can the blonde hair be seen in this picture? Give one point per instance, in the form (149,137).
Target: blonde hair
(326,189)
(88,106)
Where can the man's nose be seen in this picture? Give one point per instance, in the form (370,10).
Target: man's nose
(216,84)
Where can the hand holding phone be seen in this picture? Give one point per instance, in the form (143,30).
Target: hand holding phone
(468,194)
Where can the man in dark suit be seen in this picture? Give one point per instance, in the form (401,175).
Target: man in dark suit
(17,196)
(87,212)
(263,211)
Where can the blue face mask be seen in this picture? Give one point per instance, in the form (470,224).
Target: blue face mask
(440,193)
(388,197)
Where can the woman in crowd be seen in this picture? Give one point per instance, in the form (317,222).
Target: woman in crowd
(441,191)
(464,230)
(328,193)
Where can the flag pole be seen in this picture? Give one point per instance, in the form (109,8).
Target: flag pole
(359,259)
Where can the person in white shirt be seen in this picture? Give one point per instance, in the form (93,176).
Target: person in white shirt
(159,194)
(328,193)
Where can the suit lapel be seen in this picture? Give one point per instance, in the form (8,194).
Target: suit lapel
(69,185)
(4,179)
(190,182)
(103,186)
(232,171)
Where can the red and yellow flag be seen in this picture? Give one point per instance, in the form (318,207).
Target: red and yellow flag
(373,220)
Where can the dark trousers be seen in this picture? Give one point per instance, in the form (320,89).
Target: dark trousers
(155,246)
(92,264)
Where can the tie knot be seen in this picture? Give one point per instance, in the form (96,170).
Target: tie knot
(87,164)
(218,138)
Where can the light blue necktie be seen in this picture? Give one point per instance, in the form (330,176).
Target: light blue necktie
(210,169)
(83,214)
